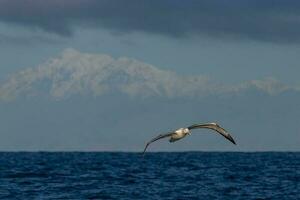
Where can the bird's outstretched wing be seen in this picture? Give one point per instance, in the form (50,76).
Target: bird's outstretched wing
(157,138)
(215,127)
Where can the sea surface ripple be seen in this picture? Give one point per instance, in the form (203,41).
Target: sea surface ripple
(186,175)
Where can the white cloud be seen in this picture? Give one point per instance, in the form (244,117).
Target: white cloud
(76,73)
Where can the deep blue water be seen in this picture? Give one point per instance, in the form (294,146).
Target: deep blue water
(190,175)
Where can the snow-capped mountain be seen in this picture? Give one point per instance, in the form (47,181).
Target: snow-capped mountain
(76,73)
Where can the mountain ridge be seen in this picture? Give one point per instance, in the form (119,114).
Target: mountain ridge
(74,73)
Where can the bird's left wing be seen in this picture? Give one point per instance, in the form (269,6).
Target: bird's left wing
(157,138)
(215,127)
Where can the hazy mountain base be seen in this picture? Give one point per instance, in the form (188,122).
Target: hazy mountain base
(257,120)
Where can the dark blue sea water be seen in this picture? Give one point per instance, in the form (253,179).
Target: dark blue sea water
(190,175)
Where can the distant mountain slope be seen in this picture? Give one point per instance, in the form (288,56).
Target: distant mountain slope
(75,73)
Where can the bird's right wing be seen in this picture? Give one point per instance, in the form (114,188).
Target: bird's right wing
(215,127)
(157,138)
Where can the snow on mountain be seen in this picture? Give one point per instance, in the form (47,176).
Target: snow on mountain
(76,73)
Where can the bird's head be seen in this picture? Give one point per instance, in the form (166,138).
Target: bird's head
(187,131)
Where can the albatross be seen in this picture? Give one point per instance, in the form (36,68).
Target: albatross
(182,132)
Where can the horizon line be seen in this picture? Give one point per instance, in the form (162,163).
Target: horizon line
(151,152)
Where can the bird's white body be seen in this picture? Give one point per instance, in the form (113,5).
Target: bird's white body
(179,134)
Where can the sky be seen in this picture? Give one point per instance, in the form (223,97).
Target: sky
(87,75)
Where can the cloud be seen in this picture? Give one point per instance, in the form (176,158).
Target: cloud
(269,20)
(76,73)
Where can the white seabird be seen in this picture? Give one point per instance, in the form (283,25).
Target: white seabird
(182,132)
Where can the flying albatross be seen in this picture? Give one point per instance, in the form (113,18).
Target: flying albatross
(182,132)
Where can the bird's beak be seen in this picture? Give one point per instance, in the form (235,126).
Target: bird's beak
(189,133)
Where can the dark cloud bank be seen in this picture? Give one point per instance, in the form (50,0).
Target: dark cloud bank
(268,20)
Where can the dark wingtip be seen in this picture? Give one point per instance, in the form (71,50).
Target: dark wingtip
(231,139)
(143,154)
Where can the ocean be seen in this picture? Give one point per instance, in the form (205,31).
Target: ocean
(185,175)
